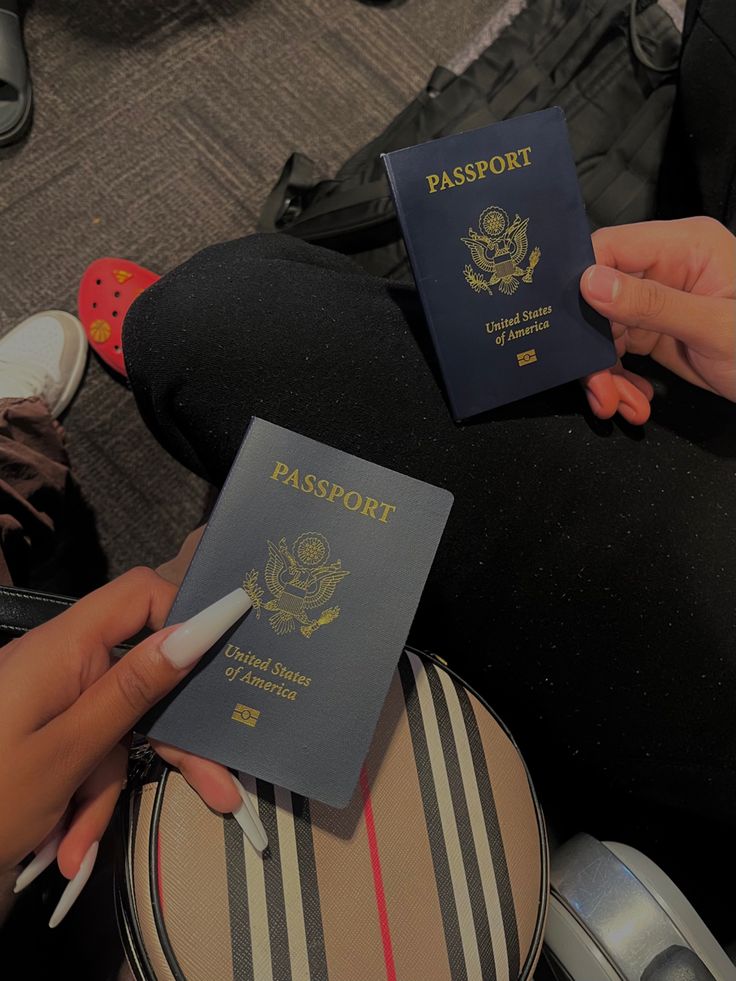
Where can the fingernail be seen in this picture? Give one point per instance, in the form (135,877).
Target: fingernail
(195,636)
(75,886)
(603,283)
(628,412)
(593,400)
(41,861)
(247,817)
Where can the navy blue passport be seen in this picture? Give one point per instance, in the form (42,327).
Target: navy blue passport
(334,552)
(497,236)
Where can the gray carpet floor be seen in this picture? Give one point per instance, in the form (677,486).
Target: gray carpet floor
(159,128)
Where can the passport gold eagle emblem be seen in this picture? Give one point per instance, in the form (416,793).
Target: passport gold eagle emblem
(499,248)
(300,579)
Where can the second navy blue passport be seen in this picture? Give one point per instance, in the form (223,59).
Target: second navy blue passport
(497,236)
(334,552)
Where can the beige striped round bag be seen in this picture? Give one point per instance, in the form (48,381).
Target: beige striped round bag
(436,871)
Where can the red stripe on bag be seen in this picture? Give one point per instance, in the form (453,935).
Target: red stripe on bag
(388,952)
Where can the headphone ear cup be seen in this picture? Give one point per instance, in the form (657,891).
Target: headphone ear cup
(614,914)
(677,962)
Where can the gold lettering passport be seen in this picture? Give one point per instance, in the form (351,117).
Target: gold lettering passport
(497,235)
(334,553)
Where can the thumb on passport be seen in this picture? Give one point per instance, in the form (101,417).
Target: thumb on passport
(644,303)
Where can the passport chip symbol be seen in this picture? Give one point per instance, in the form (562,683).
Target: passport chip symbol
(526,357)
(248,716)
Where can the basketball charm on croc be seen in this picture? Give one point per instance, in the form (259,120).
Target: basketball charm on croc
(106,292)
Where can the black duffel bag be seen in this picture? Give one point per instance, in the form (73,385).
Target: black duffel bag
(610,64)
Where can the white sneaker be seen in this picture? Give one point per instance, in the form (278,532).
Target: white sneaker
(45,357)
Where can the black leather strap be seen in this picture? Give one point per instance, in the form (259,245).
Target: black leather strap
(23,609)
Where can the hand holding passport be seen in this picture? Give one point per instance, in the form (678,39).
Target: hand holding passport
(334,553)
(497,236)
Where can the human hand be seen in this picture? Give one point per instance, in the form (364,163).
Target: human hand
(213,782)
(67,712)
(669,290)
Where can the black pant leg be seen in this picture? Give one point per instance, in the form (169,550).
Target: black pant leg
(585,580)
(270,326)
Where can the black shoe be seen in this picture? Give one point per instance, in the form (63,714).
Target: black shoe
(16,95)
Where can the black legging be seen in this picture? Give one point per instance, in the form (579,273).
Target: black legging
(585,582)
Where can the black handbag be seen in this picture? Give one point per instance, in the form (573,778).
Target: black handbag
(23,609)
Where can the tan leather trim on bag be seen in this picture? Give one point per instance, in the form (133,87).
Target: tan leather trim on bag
(141,888)
(197,884)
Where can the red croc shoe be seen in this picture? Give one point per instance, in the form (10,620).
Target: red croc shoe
(107,290)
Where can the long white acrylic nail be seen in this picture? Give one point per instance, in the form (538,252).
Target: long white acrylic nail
(247,817)
(75,886)
(41,861)
(195,636)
